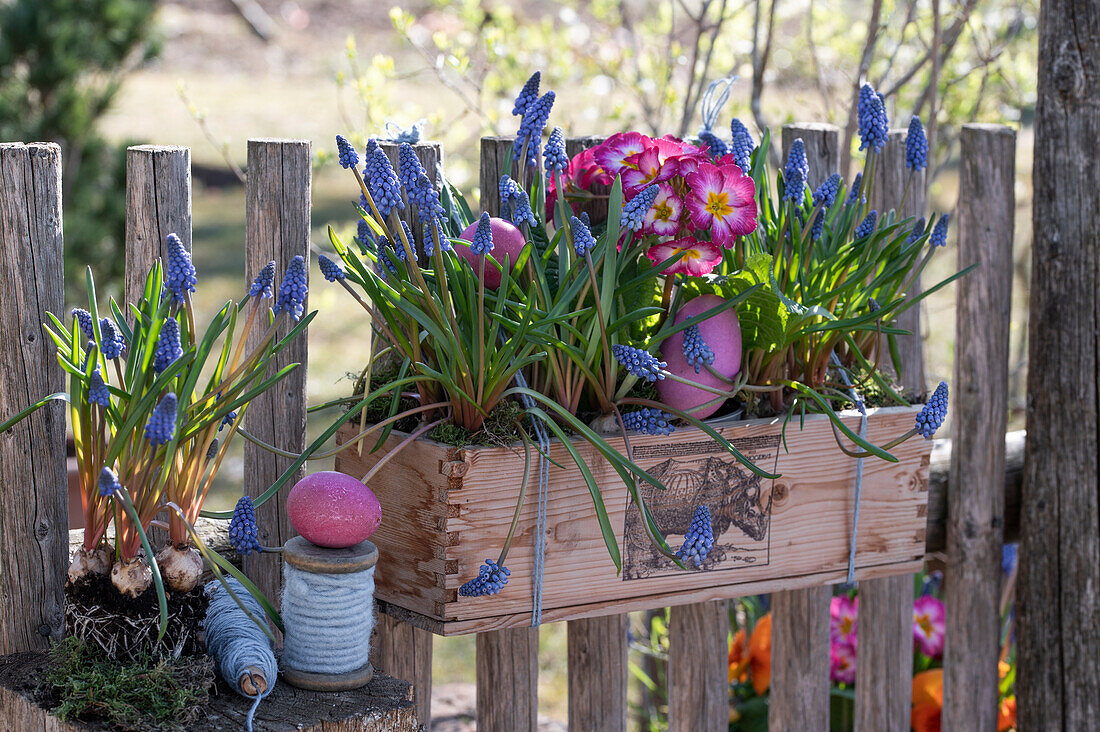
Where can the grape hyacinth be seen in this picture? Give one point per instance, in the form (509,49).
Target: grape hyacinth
(934,412)
(696,351)
(385,189)
(531,127)
(490,580)
(261,286)
(854,193)
(363,232)
(554,156)
(418,186)
(179,274)
(916,146)
(917,232)
(293,289)
(212,451)
(873,127)
(867,226)
(649,421)
(108,482)
(939,232)
(825,195)
(243,532)
(515,205)
(114,343)
(97,390)
(483,236)
(582,236)
(635,210)
(162,422)
(640,363)
(349,158)
(168,346)
(385,264)
(699,539)
(331,270)
(84,318)
(528,94)
(716,146)
(794,174)
(741,145)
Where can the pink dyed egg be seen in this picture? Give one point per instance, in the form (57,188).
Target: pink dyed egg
(722,332)
(508,242)
(333,510)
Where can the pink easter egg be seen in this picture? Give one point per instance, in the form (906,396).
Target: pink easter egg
(508,242)
(333,510)
(722,332)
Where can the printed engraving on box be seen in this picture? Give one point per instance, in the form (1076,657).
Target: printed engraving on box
(702,473)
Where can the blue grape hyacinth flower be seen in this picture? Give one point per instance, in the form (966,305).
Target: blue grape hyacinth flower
(243,532)
(649,421)
(293,289)
(696,351)
(108,482)
(330,269)
(385,188)
(741,145)
(528,94)
(262,284)
(179,273)
(934,412)
(162,422)
(699,539)
(917,232)
(554,158)
(84,319)
(583,240)
(716,146)
(490,580)
(939,232)
(531,127)
(916,145)
(854,192)
(168,345)
(114,343)
(640,363)
(825,195)
(349,158)
(418,186)
(635,210)
(795,172)
(483,236)
(98,393)
(867,226)
(873,125)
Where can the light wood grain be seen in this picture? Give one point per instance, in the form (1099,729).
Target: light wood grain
(443,527)
(884,668)
(158,203)
(983,309)
(597,649)
(697,637)
(494,151)
(822,143)
(507,680)
(404,651)
(277,228)
(799,692)
(1058,595)
(33,482)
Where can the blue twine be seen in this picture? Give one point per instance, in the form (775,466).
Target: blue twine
(544,494)
(329,619)
(711,105)
(412,135)
(859,466)
(235,642)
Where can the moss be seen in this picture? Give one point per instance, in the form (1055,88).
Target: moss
(148,695)
(499,428)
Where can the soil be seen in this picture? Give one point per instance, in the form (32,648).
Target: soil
(124,627)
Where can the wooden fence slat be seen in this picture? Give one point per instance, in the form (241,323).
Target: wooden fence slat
(800,618)
(507,680)
(34,520)
(983,309)
(158,203)
(597,650)
(884,665)
(494,151)
(404,651)
(277,197)
(697,662)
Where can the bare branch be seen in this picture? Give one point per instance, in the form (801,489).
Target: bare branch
(873,29)
(759,66)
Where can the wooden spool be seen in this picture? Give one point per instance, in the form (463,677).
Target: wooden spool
(308,557)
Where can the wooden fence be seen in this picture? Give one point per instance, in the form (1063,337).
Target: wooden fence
(278,220)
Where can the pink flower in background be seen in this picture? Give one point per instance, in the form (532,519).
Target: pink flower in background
(663,217)
(928,625)
(842,663)
(583,173)
(700,257)
(843,620)
(612,153)
(643,169)
(722,201)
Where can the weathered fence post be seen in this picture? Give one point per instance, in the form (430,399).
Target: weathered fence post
(158,203)
(597,649)
(987,205)
(697,662)
(1058,595)
(884,658)
(277,212)
(405,652)
(800,618)
(33,488)
(494,153)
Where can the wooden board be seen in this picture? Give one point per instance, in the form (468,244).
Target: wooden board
(383,705)
(446,510)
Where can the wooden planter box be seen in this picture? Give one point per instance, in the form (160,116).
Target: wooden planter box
(446,510)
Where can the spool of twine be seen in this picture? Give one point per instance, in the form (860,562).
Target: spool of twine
(328,614)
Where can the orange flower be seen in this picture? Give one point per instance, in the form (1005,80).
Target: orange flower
(1006,714)
(927,700)
(760,654)
(738,661)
